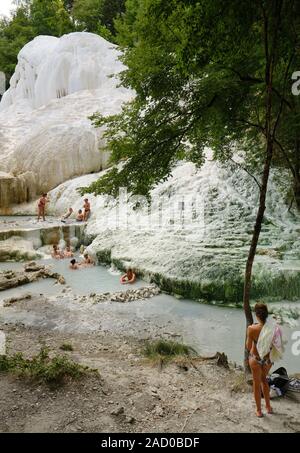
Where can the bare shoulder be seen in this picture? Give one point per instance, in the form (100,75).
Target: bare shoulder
(251,329)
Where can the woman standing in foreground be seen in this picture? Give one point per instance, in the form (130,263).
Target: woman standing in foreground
(260,366)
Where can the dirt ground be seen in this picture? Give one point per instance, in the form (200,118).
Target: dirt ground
(131,394)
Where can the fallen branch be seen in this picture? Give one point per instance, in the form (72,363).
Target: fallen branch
(187,419)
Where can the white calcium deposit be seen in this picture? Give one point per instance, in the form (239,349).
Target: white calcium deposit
(194,237)
(46,137)
(196,233)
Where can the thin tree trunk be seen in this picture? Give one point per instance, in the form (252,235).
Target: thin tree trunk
(296,190)
(256,232)
(269,135)
(296,187)
(254,241)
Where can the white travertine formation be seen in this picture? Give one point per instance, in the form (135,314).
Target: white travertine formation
(44,127)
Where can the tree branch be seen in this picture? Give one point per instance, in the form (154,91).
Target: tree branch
(285,155)
(250,79)
(249,123)
(247,171)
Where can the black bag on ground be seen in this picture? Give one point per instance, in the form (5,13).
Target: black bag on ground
(279,381)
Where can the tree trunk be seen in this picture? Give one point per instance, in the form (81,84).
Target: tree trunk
(269,131)
(296,175)
(255,238)
(296,190)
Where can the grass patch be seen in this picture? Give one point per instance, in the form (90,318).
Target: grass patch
(42,368)
(241,384)
(166,350)
(66,347)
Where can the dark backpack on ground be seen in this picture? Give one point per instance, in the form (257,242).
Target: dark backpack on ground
(279,381)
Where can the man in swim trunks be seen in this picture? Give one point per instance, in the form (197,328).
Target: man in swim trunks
(87,209)
(42,206)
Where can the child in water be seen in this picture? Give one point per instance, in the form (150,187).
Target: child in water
(73,264)
(129,277)
(56,253)
(68,252)
(88,261)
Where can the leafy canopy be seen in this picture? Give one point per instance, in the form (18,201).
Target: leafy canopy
(55,18)
(198,69)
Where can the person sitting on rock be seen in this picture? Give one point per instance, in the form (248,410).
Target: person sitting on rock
(56,253)
(87,209)
(68,252)
(80,216)
(73,264)
(67,215)
(129,277)
(42,206)
(87,261)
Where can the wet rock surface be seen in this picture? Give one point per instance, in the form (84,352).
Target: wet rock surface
(31,273)
(16,248)
(129,295)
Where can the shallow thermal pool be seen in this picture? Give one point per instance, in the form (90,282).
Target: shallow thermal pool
(205,327)
(210,328)
(96,279)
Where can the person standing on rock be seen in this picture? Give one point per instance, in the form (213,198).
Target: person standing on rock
(42,206)
(86,209)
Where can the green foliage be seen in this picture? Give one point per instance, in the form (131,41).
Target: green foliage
(68,4)
(111,10)
(14,34)
(66,347)
(104,32)
(50,18)
(198,69)
(87,14)
(55,18)
(31,18)
(166,350)
(97,16)
(42,368)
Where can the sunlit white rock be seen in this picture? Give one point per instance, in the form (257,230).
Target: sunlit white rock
(44,127)
(205,244)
